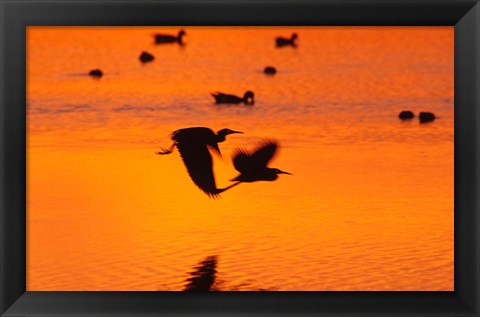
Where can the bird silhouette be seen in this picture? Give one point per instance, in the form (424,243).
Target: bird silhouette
(282,41)
(248,98)
(253,166)
(97,73)
(426,117)
(146,57)
(406,115)
(167,38)
(270,70)
(193,144)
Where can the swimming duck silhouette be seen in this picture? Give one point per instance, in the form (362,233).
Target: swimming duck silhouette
(406,115)
(282,41)
(426,117)
(146,57)
(167,38)
(270,70)
(193,144)
(97,73)
(248,98)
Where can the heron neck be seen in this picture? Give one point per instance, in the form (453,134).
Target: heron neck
(220,138)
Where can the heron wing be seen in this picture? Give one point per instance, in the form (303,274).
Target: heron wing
(261,157)
(199,164)
(191,134)
(197,135)
(241,160)
(214,147)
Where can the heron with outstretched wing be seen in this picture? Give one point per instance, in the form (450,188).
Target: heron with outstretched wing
(253,166)
(193,145)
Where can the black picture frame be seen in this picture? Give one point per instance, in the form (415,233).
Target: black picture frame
(17,14)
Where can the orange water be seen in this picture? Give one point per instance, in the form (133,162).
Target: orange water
(369,205)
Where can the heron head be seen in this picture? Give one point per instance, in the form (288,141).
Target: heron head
(224,132)
(277,171)
(181,33)
(294,37)
(248,97)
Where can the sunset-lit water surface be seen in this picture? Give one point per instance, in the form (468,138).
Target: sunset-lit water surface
(369,205)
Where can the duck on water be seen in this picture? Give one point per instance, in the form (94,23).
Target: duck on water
(282,41)
(168,38)
(248,98)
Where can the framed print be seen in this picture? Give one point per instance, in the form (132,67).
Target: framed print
(253,158)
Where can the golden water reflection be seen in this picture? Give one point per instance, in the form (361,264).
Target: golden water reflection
(369,205)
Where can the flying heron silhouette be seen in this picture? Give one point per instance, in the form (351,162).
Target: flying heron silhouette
(167,38)
(248,98)
(193,144)
(253,166)
(282,41)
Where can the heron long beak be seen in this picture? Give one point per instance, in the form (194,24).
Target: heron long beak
(282,172)
(232,132)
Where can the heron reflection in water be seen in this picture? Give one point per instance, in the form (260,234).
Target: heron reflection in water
(204,276)
(193,144)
